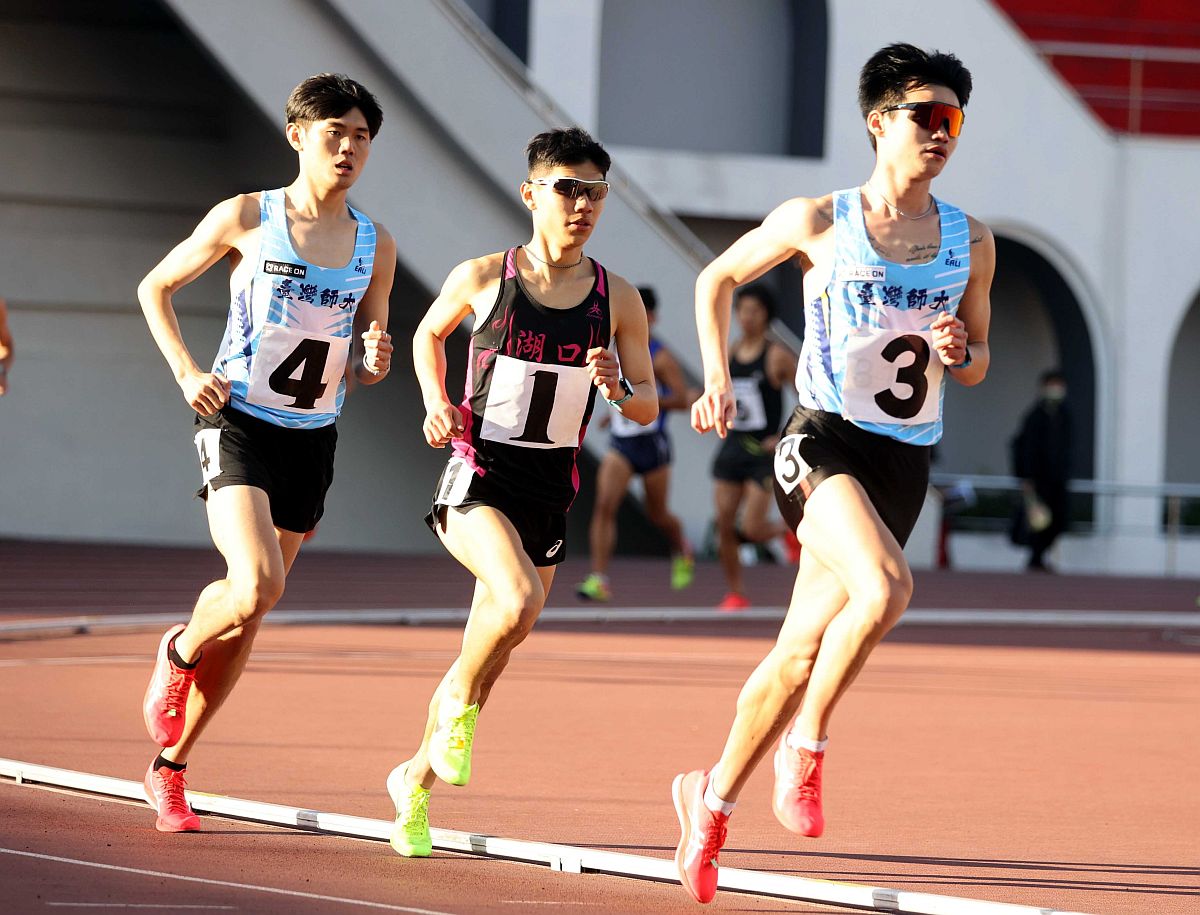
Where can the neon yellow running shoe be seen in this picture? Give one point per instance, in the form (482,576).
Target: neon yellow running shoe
(410,834)
(594,587)
(450,745)
(683,570)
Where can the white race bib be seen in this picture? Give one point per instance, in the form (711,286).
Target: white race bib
(892,376)
(624,427)
(297,371)
(455,482)
(208,446)
(751,411)
(534,405)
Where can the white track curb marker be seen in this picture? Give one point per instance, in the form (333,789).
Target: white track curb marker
(558,857)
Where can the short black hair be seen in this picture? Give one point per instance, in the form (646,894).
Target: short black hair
(649,299)
(331,95)
(565,146)
(894,70)
(763,294)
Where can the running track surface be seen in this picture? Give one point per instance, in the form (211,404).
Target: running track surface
(1053,768)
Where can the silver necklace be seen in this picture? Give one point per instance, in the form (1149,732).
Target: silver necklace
(928,209)
(555,266)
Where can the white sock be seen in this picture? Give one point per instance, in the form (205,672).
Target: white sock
(714,803)
(796,742)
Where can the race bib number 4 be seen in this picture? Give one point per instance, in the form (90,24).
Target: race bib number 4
(297,371)
(534,405)
(892,376)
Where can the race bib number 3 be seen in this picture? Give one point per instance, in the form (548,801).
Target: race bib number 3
(534,405)
(297,371)
(892,376)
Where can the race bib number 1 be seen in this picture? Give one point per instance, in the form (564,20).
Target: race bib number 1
(892,376)
(297,371)
(535,405)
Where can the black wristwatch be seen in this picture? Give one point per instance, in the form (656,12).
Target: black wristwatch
(628,393)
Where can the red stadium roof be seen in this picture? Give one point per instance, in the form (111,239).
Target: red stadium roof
(1136,63)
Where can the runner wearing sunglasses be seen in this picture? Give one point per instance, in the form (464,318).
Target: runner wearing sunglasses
(544,316)
(896,287)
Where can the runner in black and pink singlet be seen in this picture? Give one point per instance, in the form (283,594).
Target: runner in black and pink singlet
(544,317)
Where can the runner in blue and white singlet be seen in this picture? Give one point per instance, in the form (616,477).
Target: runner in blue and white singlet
(868,352)
(897,296)
(291,325)
(264,416)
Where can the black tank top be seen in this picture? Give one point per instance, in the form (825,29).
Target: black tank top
(760,403)
(528,397)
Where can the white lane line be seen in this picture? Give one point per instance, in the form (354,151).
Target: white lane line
(223,883)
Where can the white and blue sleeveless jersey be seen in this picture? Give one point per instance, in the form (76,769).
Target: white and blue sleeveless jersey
(868,353)
(291,324)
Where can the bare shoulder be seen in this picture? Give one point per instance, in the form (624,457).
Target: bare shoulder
(983,247)
(383,238)
(241,213)
(474,275)
(801,220)
(980,233)
(621,290)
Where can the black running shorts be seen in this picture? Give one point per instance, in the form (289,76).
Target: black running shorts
(294,467)
(816,446)
(742,458)
(543,531)
(645,453)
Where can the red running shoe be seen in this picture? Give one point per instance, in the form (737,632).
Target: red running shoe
(732,602)
(796,799)
(165,704)
(702,833)
(164,789)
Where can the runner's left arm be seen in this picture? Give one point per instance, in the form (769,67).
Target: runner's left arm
(953,336)
(632,333)
(372,351)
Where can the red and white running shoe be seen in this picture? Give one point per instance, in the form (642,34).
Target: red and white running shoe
(165,704)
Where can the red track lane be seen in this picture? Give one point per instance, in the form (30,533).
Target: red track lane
(1047,767)
(1056,776)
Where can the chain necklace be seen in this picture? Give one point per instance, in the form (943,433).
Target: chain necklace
(928,209)
(555,266)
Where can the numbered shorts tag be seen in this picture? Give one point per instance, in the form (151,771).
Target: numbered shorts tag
(208,446)
(297,370)
(455,482)
(790,468)
(893,377)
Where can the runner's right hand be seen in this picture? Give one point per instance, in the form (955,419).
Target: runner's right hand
(715,409)
(205,392)
(442,424)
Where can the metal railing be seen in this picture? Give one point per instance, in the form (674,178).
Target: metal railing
(1171,497)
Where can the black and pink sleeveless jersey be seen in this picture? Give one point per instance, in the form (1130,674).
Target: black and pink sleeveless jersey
(528,397)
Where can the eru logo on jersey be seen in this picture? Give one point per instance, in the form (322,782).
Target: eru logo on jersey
(360,267)
(951,260)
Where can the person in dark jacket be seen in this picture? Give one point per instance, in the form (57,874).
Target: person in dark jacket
(1042,459)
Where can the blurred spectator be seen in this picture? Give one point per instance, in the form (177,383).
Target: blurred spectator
(1041,454)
